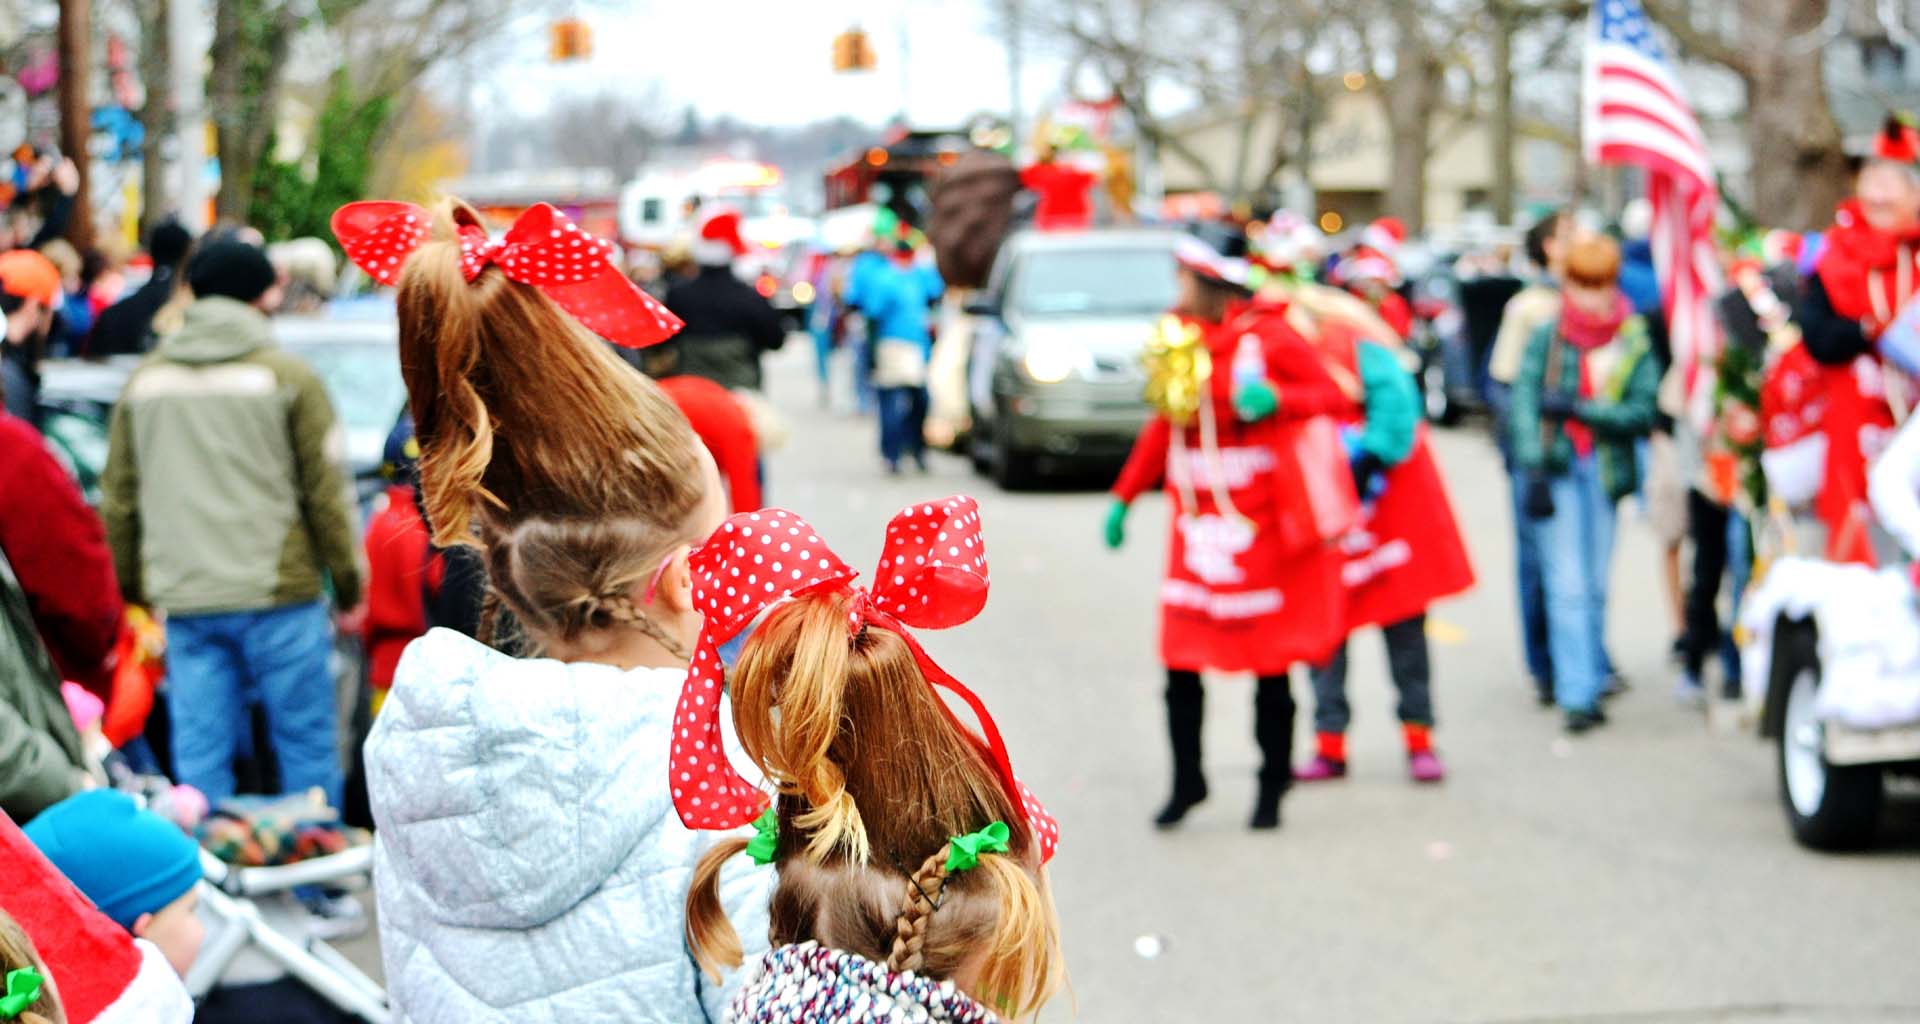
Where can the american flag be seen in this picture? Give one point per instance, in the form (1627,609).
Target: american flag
(1636,113)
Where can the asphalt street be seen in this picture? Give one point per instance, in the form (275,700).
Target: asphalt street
(1641,873)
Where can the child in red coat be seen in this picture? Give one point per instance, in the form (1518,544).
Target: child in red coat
(401,565)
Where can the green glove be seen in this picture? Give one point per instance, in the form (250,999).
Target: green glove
(1116,524)
(1256,402)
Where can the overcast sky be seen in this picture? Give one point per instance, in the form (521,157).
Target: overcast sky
(769,62)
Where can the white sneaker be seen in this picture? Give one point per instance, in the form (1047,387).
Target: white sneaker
(330,918)
(1688,693)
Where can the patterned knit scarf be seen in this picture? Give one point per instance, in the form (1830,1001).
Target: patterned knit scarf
(809,984)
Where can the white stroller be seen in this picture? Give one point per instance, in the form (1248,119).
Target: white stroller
(247,909)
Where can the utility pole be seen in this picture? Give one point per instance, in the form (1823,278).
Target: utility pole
(906,67)
(76,113)
(157,115)
(1015,30)
(192,29)
(1504,184)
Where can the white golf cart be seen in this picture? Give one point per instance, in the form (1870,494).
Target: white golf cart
(1832,776)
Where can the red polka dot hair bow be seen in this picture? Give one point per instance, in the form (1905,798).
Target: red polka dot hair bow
(932,575)
(543,249)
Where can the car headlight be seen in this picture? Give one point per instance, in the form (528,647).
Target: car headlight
(803,293)
(1048,365)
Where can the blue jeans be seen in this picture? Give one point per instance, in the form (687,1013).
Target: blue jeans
(864,396)
(903,424)
(1576,551)
(1533,603)
(822,356)
(279,656)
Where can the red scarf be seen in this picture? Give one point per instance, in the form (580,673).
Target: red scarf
(1587,332)
(1869,274)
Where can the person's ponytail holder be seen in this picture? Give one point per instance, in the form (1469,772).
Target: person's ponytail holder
(964,852)
(932,575)
(23,990)
(543,249)
(766,837)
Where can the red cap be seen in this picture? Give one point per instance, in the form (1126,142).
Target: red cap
(1897,142)
(28,275)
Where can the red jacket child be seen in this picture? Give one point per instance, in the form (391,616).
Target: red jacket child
(401,567)
(725,429)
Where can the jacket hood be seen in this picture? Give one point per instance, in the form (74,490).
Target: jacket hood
(217,329)
(515,787)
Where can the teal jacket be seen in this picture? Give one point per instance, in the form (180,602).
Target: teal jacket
(1392,401)
(1625,402)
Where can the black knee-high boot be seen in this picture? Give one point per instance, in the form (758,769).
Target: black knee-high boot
(1186,708)
(1273,710)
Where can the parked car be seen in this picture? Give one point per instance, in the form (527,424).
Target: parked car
(76,401)
(359,362)
(1054,377)
(1448,385)
(357,359)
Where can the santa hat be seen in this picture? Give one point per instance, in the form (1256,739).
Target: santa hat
(1385,236)
(1897,142)
(1216,252)
(718,242)
(1288,242)
(106,976)
(1366,266)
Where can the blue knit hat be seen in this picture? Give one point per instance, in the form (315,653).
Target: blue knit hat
(400,460)
(128,861)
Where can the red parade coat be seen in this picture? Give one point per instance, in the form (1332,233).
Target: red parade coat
(1406,551)
(1868,275)
(1260,591)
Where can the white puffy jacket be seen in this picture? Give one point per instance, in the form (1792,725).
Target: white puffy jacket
(528,863)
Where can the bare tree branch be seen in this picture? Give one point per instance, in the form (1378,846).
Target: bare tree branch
(1697,43)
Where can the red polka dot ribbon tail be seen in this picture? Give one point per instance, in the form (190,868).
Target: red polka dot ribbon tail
(543,249)
(932,575)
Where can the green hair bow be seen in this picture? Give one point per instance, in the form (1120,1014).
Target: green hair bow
(766,839)
(964,852)
(23,990)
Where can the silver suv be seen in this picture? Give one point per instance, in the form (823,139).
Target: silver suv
(1054,375)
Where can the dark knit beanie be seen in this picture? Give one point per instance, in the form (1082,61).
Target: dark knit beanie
(168,243)
(232,269)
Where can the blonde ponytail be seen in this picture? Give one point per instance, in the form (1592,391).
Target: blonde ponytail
(873,771)
(806,677)
(575,473)
(710,935)
(1023,965)
(17,952)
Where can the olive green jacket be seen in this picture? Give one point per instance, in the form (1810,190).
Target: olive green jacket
(223,489)
(1626,392)
(40,755)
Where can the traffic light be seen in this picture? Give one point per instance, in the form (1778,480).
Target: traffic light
(570,39)
(852,51)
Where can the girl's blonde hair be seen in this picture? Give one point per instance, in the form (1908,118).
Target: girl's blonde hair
(16,952)
(568,469)
(874,774)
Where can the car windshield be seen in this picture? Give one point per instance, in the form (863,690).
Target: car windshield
(1113,281)
(363,379)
